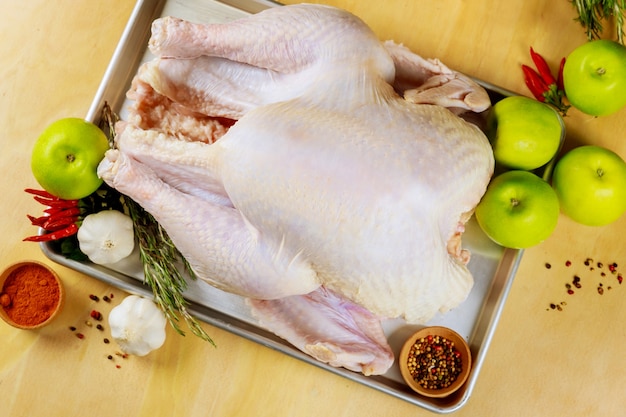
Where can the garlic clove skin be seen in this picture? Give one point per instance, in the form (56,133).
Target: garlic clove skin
(106,237)
(137,325)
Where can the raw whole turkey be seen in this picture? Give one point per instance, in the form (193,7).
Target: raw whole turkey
(296,160)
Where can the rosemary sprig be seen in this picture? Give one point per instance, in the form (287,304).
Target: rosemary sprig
(159,256)
(592,13)
(108,119)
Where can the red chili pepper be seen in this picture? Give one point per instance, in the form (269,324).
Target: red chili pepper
(56,202)
(57,224)
(542,67)
(59,219)
(41,193)
(535,83)
(62,212)
(37,221)
(70,230)
(559,79)
(48,199)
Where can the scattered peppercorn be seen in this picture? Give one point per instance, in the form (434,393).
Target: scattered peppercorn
(554,306)
(106,298)
(106,340)
(72,328)
(88,323)
(110,357)
(99,327)
(96,315)
(94,297)
(80,335)
(602,270)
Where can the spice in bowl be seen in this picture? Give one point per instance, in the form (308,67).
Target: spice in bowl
(435,361)
(31,294)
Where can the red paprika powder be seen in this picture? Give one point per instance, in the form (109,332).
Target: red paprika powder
(30,295)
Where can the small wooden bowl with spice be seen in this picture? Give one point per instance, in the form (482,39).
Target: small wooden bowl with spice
(31,295)
(435,361)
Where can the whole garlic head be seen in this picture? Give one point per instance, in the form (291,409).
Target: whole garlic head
(106,237)
(137,325)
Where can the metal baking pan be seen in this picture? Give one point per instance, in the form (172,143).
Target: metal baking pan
(476,319)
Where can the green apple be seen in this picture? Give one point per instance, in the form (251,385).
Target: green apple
(518,210)
(65,158)
(524,133)
(594,77)
(590,182)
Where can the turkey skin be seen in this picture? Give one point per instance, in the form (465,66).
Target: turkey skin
(296,160)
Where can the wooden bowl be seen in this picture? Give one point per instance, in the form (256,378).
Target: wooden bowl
(43,281)
(460,346)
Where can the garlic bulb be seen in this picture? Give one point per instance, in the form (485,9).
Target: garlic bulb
(106,237)
(137,325)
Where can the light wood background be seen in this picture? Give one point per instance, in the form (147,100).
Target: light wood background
(542,362)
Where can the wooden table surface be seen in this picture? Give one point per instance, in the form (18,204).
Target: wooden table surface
(542,362)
